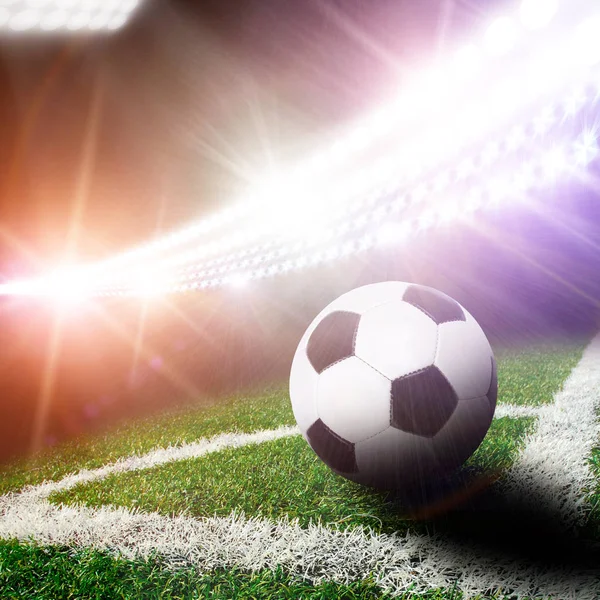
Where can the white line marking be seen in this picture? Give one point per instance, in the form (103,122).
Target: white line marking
(515,411)
(161,456)
(399,562)
(552,471)
(319,553)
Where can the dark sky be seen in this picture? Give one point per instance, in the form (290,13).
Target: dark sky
(149,128)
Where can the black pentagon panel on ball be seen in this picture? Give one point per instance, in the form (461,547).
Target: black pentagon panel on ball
(422,402)
(439,307)
(492,394)
(332,340)
(333,450)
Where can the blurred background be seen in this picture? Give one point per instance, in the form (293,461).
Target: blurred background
(109,141)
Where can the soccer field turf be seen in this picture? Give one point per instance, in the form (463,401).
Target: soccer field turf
(227,500)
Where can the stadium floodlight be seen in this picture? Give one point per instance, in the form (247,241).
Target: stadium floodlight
(65,15)
(551,165)
(281,212)
(536,14)
(410,106)
(544,169)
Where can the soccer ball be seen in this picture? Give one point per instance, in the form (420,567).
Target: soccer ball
(394,384)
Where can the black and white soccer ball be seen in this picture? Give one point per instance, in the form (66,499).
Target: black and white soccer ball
(394,384)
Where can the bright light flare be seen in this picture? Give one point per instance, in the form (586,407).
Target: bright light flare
(515,139)
(392,233)
(66,287)
(524,178)
(147,282)
(467,62)
(426,90)
(437,91)
(24,20)
(238,280)
(20,288)
(586,47)
(54,20)
(544,121)
(284,208)
(65,15)
(586,149)
(537,14)
(500,36)
(554,163)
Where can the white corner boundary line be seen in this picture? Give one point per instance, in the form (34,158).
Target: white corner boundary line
(515,411)
(398,562)
(161,456)
(552,472)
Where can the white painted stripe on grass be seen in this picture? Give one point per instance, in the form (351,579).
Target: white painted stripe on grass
(552,471)
(161,456)
(515,411)
(398,562)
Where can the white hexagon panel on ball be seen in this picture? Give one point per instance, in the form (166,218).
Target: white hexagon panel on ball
(353,399)
(393,383)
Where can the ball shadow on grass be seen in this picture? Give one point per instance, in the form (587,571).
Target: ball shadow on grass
(472,508)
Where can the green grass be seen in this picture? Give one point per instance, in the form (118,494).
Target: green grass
(592,526)
(34,573)
(594,493)
(529,376)
(283,478)
(275,479)
(268,410)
